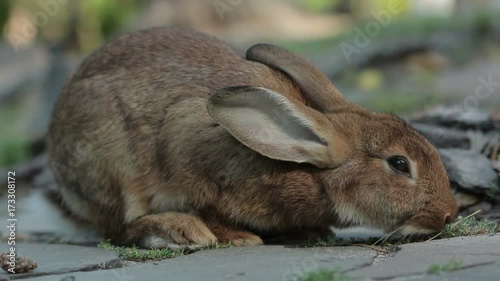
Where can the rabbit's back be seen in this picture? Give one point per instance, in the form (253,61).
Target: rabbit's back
(149,70)
(141,74)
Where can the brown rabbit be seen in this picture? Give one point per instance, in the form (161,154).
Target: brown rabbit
(168,137)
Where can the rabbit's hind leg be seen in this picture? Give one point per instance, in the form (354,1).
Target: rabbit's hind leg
(168,230)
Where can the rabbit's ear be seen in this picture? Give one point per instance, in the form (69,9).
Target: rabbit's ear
(318,91)
(274,126)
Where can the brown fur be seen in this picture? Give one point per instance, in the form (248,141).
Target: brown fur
(132,141)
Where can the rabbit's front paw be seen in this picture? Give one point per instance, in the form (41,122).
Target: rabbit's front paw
(171,230)
(236,237)
(157,242)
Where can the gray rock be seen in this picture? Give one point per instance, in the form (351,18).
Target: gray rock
(465,199)
(45,179)
(27,170)
(21,69)
(496,165)
(443,137)
(60,258)
(483,207)
(459,118)
(469,170)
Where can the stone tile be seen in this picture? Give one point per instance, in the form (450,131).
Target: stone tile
(416,258)
(489,272)
(480,257)
(58,258)
(238,264)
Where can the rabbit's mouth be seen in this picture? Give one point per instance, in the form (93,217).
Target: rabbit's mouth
(409,229)
(429,220)
(422,225)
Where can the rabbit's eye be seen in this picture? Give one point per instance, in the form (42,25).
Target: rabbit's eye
(399,164)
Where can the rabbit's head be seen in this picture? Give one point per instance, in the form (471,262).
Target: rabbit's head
(375,168)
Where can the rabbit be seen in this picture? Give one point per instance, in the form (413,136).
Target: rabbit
(167,137)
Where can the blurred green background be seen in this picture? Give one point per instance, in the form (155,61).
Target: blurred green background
(428,53)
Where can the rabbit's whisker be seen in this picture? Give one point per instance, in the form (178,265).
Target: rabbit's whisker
(402,240)
(385,237)
(380,239)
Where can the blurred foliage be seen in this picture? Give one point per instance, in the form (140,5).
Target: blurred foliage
(95,19)
(405,27)
(12,151)
(13,146)
(319,5)
(370,79)
(400,101)
(111,14)
(365,8)
(108,18)
(359,8)
(4,14)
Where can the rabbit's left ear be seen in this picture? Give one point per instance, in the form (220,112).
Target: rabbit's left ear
(315,86)
(274,126)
